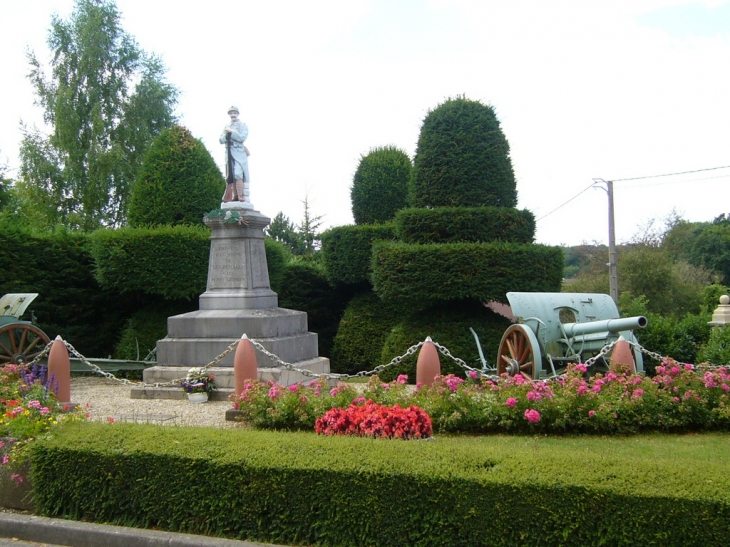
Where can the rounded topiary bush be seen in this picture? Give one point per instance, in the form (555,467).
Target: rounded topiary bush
(462,159)
(380,185)
(177,183)
(364,326)
(448,325)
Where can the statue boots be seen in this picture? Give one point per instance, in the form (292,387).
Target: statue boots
(239,190)
(230,193)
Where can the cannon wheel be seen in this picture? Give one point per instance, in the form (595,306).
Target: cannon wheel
(519,352)
(20,343)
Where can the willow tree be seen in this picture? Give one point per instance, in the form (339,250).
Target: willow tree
(104,102)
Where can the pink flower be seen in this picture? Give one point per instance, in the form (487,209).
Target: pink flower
(511,402)
(358,400)
(419,385)
(274,392)
(580,367)
(591,413)
(17,478)
(293,388)
(6,459)
(636,380)
(534,396)
(610,377)
(597,388)
(532,416)
(675,399)
(687,366)
(582,390)
(453,382)
(725,387)
(472,374)
(111,420)
(45,410)
(402,379)
(637,393)
(675,370)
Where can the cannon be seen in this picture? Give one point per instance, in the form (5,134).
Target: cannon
(20,341)
(556,329)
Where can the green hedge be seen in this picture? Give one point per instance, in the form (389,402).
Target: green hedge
(380,185)
(59,267)
(347,251)
(169,261)
(304,287)
(361,333)
(300,488)
(462,224)
(454,271)
(462,159)
(177,183)
(448,324)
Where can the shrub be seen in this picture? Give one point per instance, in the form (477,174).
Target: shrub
(177,183)
(448,324)
(60,268)
(304,287)
(462,159)
(347,251)
(717,349)
(373,420)
(148,325)
(277,256)
(169,261)
(361,333)
(465,224)
(678,338)
(380,185)
(421,274)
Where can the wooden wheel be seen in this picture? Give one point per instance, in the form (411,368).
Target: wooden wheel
(519,353)
(20,343)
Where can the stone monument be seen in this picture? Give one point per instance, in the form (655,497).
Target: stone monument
(238,300)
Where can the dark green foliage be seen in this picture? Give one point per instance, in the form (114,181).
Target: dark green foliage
(705,244)
(285,231)
(168,261)
(679,338)
(304,287)
(462,159)
(177,183)
(364,327)
(106,100)
(304,489)
(380,185)
(717,349)
(447,324)
(420,274)
(347,251)
(59,267)
(148,325)
(277,256)
(465,224)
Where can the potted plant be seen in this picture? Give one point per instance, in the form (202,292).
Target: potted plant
(198,384)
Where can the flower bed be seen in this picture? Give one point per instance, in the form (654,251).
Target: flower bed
(679,398)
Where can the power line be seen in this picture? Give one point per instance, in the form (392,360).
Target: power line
(673,182)
(566,203)
(673,174)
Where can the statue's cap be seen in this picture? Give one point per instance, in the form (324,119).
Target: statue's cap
(234,109)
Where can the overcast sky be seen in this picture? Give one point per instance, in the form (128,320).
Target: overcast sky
(583,89)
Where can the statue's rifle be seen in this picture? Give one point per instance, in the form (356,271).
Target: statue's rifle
(230,179)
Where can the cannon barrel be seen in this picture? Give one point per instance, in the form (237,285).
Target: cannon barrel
(610,325)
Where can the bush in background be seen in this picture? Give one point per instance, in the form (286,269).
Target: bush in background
(380,185)
(177,183)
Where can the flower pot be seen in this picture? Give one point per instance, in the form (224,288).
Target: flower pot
(197,397)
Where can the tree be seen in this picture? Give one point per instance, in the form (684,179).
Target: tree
(177,183)
(462,159)
(308,229)
(80,175)
(380,185)
(285,231)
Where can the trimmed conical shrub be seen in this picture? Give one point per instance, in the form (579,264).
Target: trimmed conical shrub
(177,183)
(380,185)
(462,159)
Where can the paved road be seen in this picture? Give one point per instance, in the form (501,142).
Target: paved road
(17,543)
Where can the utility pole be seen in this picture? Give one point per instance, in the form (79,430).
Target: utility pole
(612,262)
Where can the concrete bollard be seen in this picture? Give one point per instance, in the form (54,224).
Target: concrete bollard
(622,357)
(59,368)
(428,365)
(244,364)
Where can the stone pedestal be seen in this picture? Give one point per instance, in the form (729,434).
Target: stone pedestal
(238,300)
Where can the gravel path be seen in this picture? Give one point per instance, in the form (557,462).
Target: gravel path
(108,399)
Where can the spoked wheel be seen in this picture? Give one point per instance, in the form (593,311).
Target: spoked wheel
(519,352)
(20,343)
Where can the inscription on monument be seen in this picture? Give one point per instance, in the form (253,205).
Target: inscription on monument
(228,266)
